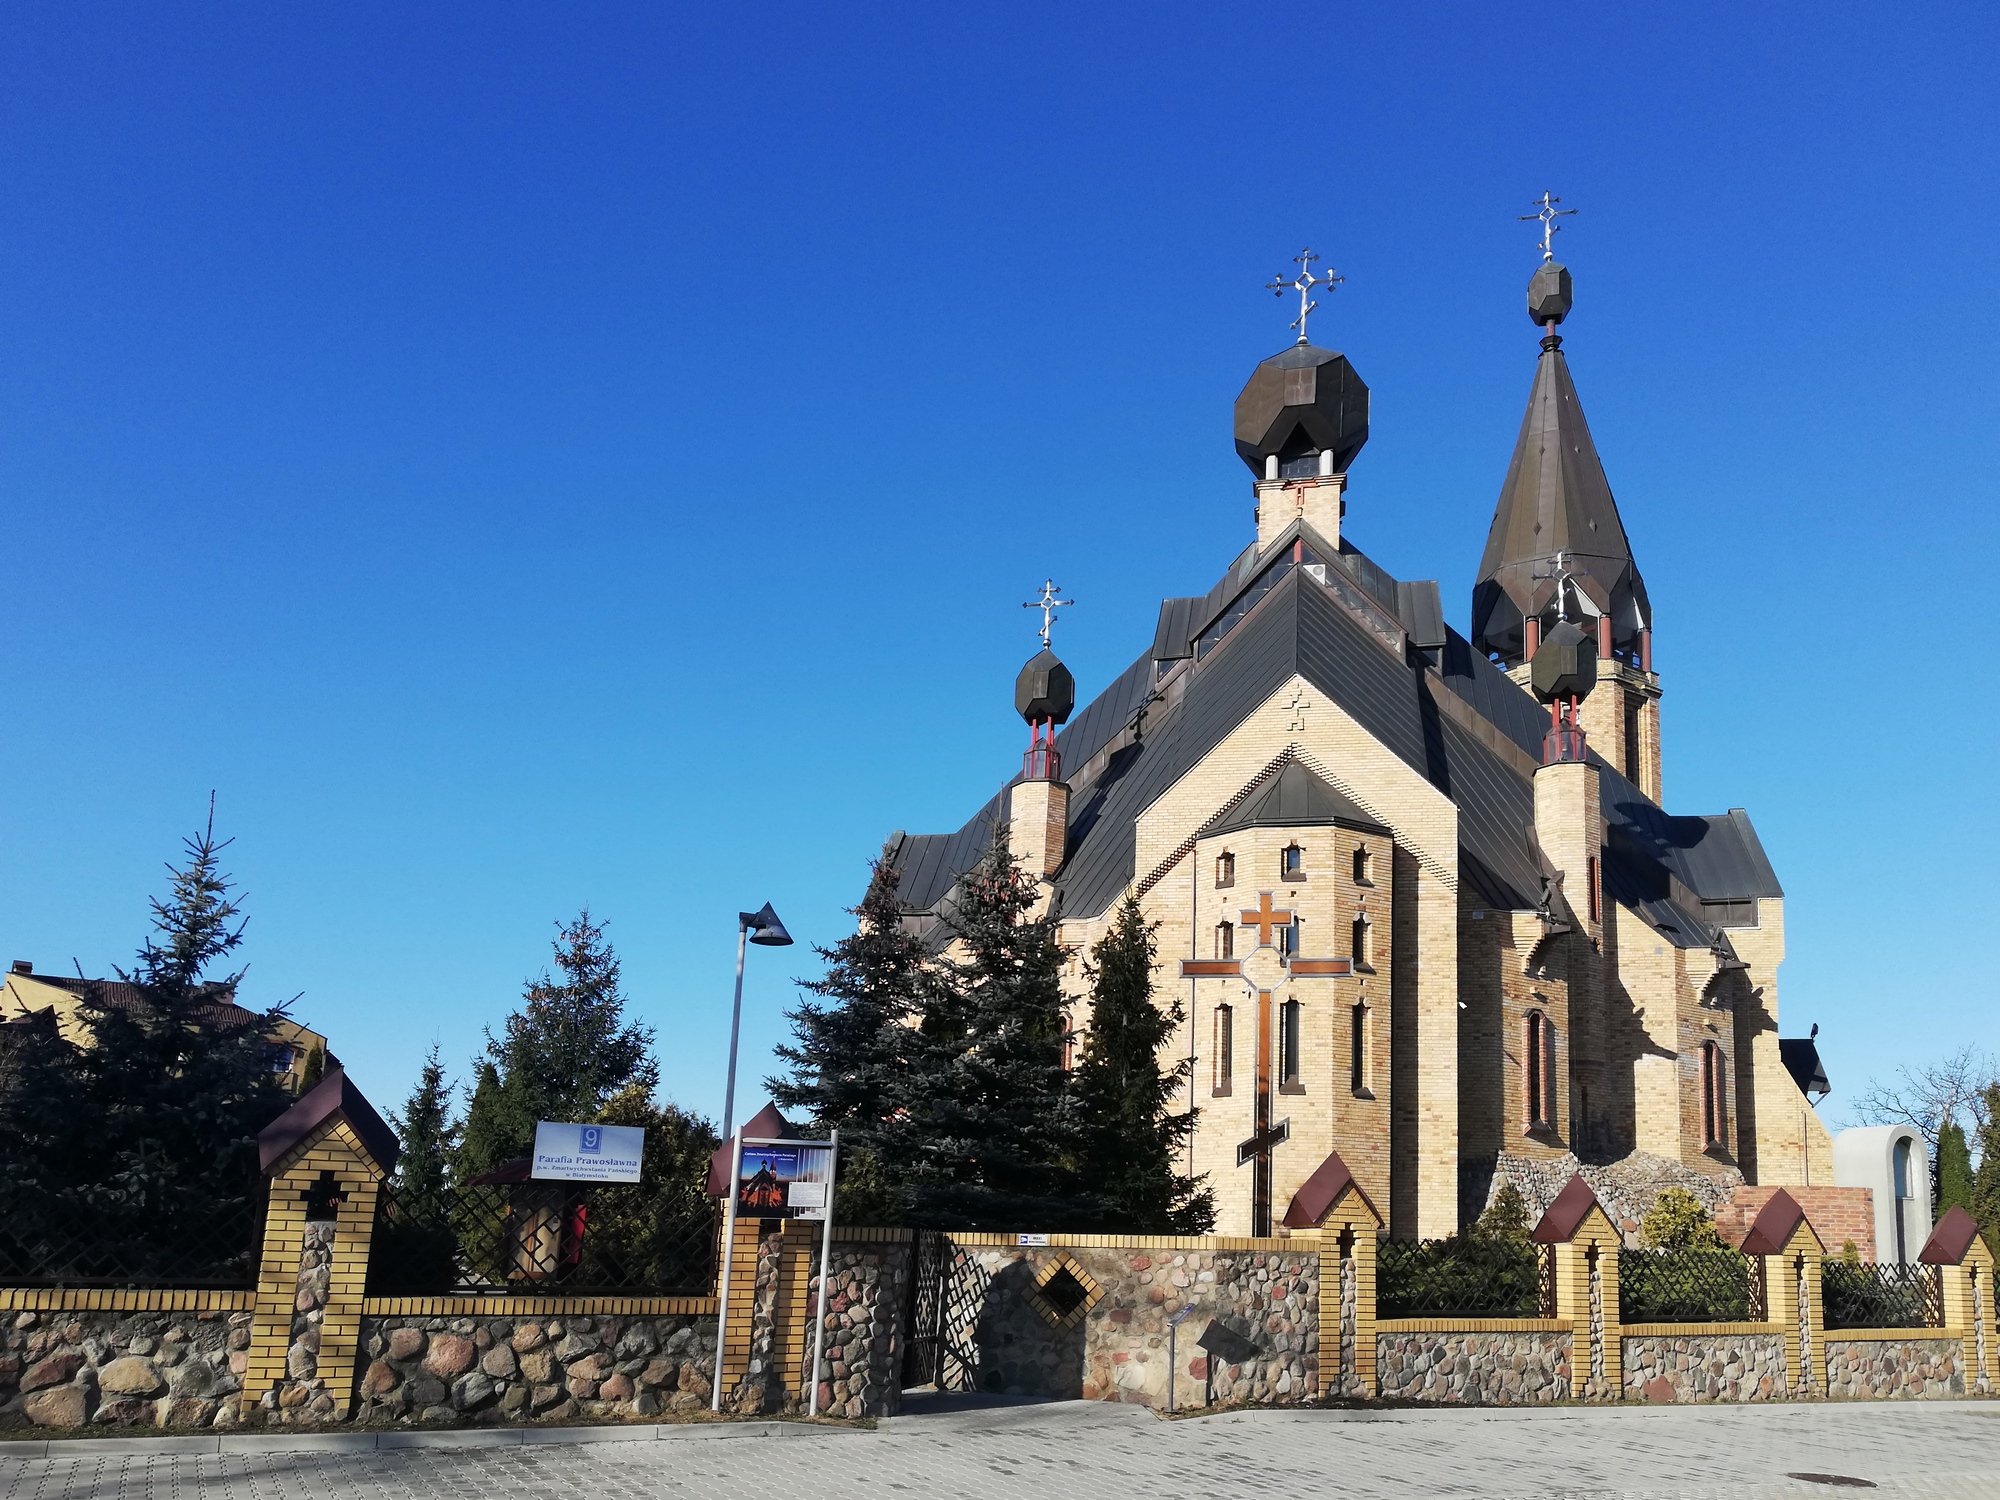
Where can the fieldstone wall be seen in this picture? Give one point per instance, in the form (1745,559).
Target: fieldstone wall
(997,1341)
(1686,1368)
(1889,1369)
(1475,1369)
(303,1396)
(128,1369)
(537,1369)
(865,1295)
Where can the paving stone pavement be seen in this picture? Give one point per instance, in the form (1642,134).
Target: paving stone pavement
(1089,1451)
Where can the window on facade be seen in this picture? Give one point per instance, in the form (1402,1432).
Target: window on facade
(1225,870)
(1288,937)
(1223,1052)
(1288,1048)
(1590,880)
(1357,1062)
(1361,943)
(1714,1095)
(1225,940)
(1538,1071)
(1292,863)
(1631,766)
(1364,866)
(1068,1042)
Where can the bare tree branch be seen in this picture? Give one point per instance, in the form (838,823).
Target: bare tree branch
(1927,1097)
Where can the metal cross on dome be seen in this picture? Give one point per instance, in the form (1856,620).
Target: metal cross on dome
(1048,604)
(1547,213)
(1303,284)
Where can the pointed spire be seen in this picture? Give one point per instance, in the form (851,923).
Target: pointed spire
(1558,548)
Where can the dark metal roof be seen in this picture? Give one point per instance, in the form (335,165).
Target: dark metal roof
(1295,798)
(1564,1217)
(1460,723)
(1556,498)
(334,1097)
(1950,1241)
(1173,638)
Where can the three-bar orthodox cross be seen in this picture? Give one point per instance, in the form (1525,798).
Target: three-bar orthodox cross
(1303,284)
(1548,213)
(1048,604)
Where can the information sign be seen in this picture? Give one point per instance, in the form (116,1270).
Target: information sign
(587,1153)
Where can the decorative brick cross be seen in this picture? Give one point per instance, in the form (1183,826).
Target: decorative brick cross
(323,1198)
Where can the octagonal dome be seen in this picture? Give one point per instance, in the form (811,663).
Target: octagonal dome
(1298,404)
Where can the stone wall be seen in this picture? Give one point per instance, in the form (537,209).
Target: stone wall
(1687,1368)
(1475,1369)
(132,1369)
(1883,1369)
(997,1340)
(514,1370)
(865,1298)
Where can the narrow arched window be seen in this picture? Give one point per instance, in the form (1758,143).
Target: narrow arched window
(1289,936)
(1357,1061)
(1225,940)
(1714,1096)
(1224,1050)
(1292,863)
(1361,942)
(1225,870)
(1289,1065)
(1538,1072)
(1068,1042)
(1364,865)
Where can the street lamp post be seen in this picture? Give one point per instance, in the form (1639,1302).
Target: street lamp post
(751,927)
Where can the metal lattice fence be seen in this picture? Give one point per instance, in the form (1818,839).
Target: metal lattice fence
(109,1237)
(1458,1277)
(1881,1296)
(1695,1284)
(543,1237)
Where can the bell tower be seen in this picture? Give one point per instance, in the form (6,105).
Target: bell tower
(1558,551)
(1038,804)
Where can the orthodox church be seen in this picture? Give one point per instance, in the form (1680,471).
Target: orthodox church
(1419,892)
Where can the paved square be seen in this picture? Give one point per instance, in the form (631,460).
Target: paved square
(1087,1451)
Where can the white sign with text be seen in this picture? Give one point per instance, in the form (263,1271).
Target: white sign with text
(587,1153)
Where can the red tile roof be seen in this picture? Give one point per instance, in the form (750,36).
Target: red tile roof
(1952,1238)
(1566,1214)
(1774,1225)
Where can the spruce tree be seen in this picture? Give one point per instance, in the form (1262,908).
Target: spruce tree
(1131,1134)
(987,1108)
(178,1080)
(426,1132)
(314,1070)
(561,1056)
(853,1044)
(1951,1170)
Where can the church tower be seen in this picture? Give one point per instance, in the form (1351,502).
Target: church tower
(1558,551)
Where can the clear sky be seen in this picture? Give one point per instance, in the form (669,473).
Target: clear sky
(528,456)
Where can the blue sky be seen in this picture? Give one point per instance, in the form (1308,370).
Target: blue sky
(527,456)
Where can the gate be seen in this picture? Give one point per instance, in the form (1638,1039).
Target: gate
(923,1312)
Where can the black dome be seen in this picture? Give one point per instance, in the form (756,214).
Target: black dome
(1045,691)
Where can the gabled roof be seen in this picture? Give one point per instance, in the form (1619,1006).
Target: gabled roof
(1319,1192)
(1295,798)
(1952,1238)
(1565,1216)
(334,1097)
(1457,720)
(1775,1224)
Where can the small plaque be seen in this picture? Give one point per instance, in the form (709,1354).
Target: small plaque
(1034,1239)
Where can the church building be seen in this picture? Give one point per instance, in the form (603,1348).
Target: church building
(1419,892)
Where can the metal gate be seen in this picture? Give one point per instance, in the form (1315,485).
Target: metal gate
(923,1310)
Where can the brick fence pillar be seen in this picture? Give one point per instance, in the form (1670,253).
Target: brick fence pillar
(1580,1235)
(324,1160)
(1965,1266)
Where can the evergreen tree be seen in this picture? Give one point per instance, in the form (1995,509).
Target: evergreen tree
(850,1055)
(1951,1170)
(1985,1203)
(990,1126)
(561,1056)
(315,1070)
(1132,1135)
(426,1132)
(1506,1218)
(487,1137)
(678,1144)
(177,1079)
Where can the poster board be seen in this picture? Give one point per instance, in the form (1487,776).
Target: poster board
(784,1180)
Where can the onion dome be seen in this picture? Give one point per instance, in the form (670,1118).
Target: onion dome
(1565,665)
(1297,406)
(1045,692)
